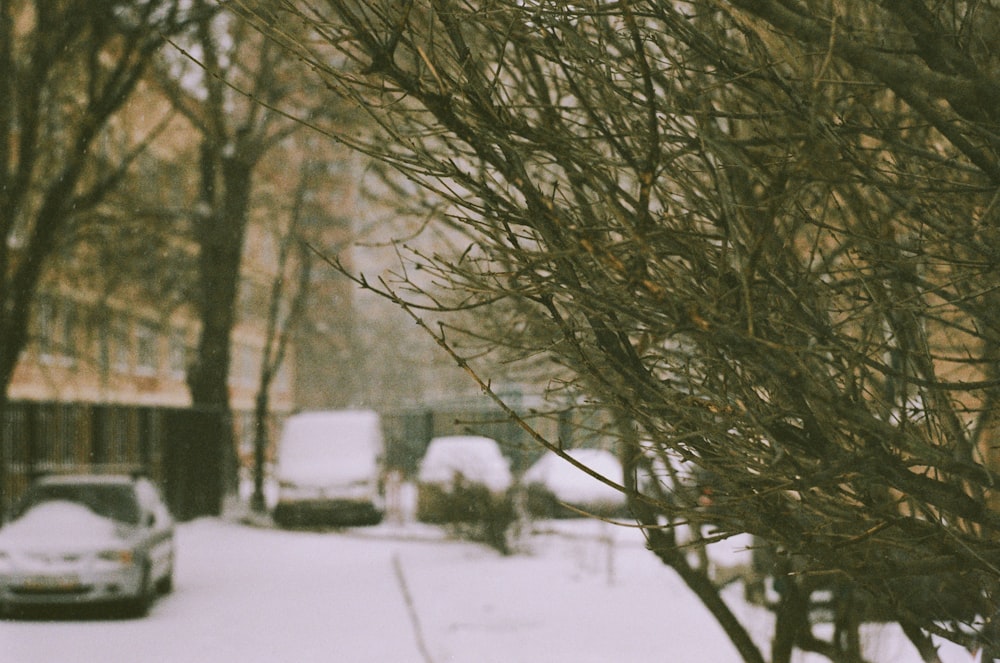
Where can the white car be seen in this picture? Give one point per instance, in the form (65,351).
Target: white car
(329,469)
(469,458)
(459,476)
(553,481)
(87,539)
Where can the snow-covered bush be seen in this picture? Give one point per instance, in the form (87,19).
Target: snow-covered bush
(462,482)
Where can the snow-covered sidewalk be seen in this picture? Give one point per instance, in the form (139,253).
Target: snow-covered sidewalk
(585,591)
(579,592)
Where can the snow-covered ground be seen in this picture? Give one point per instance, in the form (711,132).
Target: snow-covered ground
(578,592)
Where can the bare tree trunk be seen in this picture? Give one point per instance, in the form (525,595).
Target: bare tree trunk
(258,502)
(847,622)
(664,546)
(279,331)
(4,497)
(65,70)
(791,619)
(707,592)
(920,640)
(220,238)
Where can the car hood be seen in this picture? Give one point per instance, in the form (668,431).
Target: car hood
(59,525)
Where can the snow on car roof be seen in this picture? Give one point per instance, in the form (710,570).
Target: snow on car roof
(60,520)
(111,496)
(328,447)
(573,485)
(476,458)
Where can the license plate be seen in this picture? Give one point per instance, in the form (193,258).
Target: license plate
(51,583)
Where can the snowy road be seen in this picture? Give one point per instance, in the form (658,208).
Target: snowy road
(249,595)
(244,594)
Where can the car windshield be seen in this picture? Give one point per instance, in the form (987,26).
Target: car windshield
(114,501)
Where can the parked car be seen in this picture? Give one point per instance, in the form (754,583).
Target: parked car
(553,482)
(86,539)
(461,478)
(329,469)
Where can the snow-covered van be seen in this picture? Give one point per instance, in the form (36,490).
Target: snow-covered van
(329,469)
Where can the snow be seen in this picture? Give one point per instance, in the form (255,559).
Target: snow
(52,525)
(573,486)
(575,596)
(476,459)
(578,591)
(329,448)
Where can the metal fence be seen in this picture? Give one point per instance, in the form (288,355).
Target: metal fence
(409,431)
(45,437)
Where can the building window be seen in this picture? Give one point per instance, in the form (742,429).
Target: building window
(268,250)
(283,381)
(244,301)
(102,337)
(246,366)
(253,300)
(121,343)
(68,349)
(147,356)
(177,354)
(46,322)
(56,323)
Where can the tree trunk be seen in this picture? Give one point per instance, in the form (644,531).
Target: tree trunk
(220,237)
(665,547)
(923,642)
(791,615)
(260,442)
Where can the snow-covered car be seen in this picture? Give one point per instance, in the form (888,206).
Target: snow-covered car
(329,469)
(552,482)
(87,539)
(461,477)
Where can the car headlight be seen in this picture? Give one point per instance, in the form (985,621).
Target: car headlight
(123,556)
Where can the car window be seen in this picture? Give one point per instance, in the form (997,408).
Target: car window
(115,501)
(152,501)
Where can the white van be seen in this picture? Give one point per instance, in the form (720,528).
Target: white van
(329,469)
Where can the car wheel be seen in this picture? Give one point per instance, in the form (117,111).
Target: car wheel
(165,585)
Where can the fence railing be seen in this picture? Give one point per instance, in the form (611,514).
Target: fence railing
(45,437)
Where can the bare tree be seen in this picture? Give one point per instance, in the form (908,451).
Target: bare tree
(226,81)
(285,308)
(761,233)
(66,69)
